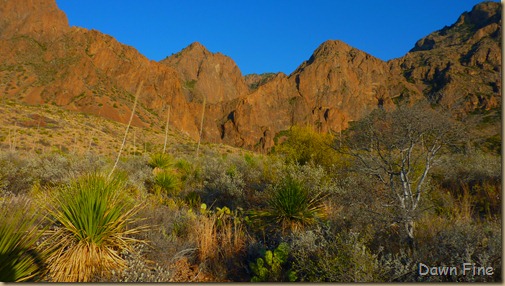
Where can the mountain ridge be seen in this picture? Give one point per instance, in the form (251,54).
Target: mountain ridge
(88,71)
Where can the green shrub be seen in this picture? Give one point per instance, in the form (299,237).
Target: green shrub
(323,256)
(16,173)
(137,170)
(223,183)
(304,145)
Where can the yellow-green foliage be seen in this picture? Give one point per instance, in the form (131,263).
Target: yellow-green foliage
(304,145)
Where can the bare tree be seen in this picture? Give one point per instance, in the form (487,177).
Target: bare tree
(399,149)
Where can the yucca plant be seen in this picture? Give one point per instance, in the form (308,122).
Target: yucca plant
(167,183)
(292,206)
(91,216)
(160,161)
(20,259)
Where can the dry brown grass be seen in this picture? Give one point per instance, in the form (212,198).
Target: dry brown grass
(206,237)
(221,242)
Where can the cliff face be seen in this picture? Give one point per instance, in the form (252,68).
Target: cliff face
(44,61)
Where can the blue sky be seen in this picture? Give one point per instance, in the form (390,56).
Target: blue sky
(265,35)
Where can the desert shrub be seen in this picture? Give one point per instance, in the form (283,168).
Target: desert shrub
(444,242)
(223,184)
(458,242)
(313,178)
(91,215)
(137,170)
(16,173)
(20,259)
(139,270)
(89,163)
(169,235)
(320,255)
(304,145)
(52,169)
(468,168)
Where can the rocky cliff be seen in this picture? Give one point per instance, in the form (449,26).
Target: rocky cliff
(44,61)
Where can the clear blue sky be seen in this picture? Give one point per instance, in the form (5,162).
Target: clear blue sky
(265,35)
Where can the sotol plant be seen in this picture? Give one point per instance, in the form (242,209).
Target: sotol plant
(292,206)
(92,216)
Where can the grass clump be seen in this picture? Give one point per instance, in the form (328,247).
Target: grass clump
(92,215)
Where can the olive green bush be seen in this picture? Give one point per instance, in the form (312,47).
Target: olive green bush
(321,255)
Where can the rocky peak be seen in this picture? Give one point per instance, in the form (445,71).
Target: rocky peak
(196,48)
(208,75)
(483,20)
(481,15)
(37,18)
(459,66)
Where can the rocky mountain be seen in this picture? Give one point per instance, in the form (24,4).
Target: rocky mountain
(459,66)
(44,61)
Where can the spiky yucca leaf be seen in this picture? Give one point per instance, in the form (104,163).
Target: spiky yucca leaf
(19,259)
(93,214)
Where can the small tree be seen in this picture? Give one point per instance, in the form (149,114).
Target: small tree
(399,148)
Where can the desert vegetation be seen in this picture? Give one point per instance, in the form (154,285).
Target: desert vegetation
(396,189)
